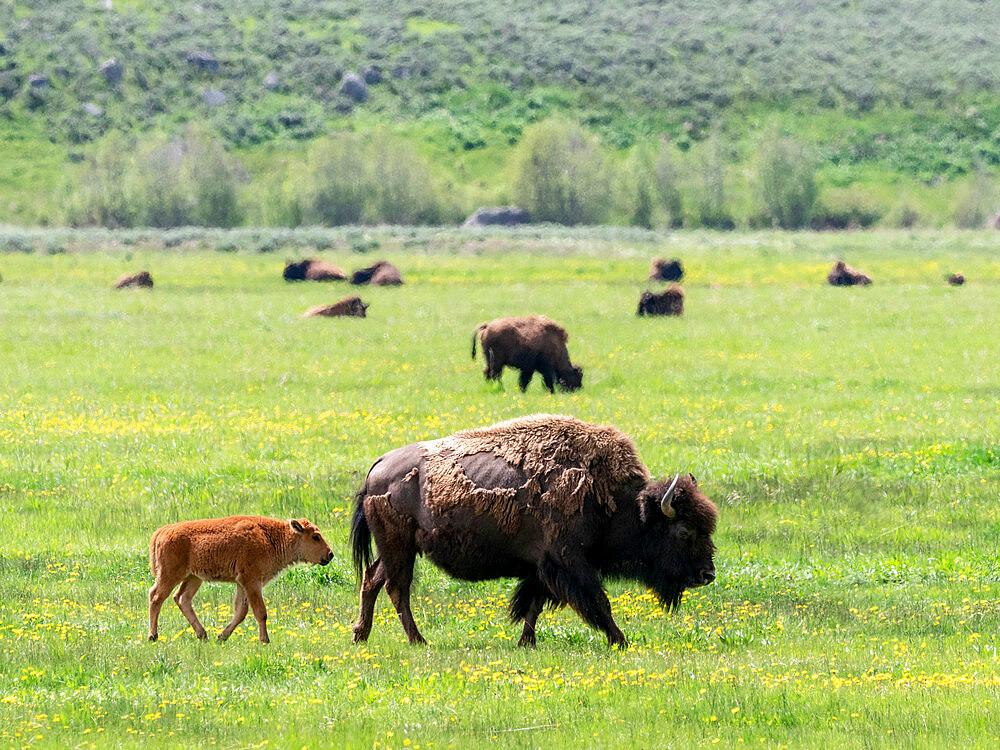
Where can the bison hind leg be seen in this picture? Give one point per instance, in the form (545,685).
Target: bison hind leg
(526,603)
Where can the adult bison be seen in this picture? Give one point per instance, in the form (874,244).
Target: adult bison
(381,273)
(553,501)
(528,344)
(312,269)
(668,302)
(843,275)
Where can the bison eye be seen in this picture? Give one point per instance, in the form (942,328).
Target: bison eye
(683,532)
(315,537)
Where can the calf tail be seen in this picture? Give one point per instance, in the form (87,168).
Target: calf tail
(361,535)
(153,562)
(475,335)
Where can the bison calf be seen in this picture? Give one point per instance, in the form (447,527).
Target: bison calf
(668,302)
(956,279)
(246,550)
(528,344)
(843,275)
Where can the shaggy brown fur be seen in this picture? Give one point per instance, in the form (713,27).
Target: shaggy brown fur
(843,275)
(666,270)
(527,344)
(551,500)
(347,307)
(246,550)
(668,302)
(956,279)
(313,270)
(137,280)
(382,273)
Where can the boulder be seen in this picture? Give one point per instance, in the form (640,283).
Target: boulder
(92,109)
(38,82)
(372,74)
(205,62)
(112,70)
(354,87)
(504,216)
(272,82)
(213,97)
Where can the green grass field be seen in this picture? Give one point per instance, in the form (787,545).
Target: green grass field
(848,437)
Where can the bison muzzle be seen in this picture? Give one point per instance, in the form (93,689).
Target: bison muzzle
(558,503)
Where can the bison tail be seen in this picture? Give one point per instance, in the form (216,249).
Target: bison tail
(475,335)
(361,536)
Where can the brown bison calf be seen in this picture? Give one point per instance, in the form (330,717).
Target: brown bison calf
(347,307)
(313,270)
(843,275)
(666,270)
(246,550)
(668,302)
(137,280)
(382,273)
(528,344)
(956,279)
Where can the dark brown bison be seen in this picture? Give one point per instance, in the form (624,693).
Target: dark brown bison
(347,307)
(382,273)
(666,270)
(137,280)
(313,270)
(556,502)
(843,275)
(956,279)
(668,302)
(528,344)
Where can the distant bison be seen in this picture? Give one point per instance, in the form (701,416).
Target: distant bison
(668,302)
(843,275)
(382,273)
(528,344)
(956,279)
(137,280)
(246,550)
(666,270)
(560,504)
(313,270)
(347,307)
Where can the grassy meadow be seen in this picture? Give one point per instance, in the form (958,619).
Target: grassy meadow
(848,437)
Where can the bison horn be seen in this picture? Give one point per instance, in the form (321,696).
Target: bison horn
(665,506)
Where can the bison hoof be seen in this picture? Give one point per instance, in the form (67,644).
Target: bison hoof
(617,640)
(527,641)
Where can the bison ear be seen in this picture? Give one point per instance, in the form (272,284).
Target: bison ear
(296,526)
(693,480)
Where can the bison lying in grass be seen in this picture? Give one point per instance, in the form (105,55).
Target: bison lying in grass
(528,344)
(382,273)
(246,550)
(668,302)
(137,280)
(666,270)
(313,270)
(956,279)
(347,307)
(843,275)
(558,503)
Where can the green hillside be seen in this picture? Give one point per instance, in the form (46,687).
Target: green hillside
(893,99)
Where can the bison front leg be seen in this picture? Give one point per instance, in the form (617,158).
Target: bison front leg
(255,596)
(548,375)
(371,584)
(576,582)
(525,378)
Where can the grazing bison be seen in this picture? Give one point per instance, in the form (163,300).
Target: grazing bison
(246,550)
(556,502)
(668,302)
(528,344)
(666,270)
(843,275)
(137,280)
(956,279)
(313,270)
(382,273)
(347,307)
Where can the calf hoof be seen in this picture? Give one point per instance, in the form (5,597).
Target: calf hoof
(360,634)
(153,638)
(223,637)
(202,636)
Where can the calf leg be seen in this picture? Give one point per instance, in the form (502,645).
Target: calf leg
(255,596)
(371,585)
(158,594)
(577,583)
(240,606)
(184,596)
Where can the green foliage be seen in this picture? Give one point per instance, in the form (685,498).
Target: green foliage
(786,172)
(648,191)
(713,210)
(558,174)
(977,203)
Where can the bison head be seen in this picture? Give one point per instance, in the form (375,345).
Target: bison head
(571,380)
(312,547)
(678,522)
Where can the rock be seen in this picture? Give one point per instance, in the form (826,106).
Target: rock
(213,97)
(402,72)
(38,82)
(504,216)
(3,50)
(112,70)
(354,87)
(271,81)
(372,74)
(205,62)
(92,109)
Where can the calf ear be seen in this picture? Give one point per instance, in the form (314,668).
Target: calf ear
(296,526)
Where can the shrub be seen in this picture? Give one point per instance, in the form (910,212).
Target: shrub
(976,203)
(786,173)
(712,209)
(557,174)
(647,188)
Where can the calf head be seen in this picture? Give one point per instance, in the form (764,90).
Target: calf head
(312,547)
(678,525)
(572,379)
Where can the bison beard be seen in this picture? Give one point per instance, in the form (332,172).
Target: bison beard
(558,503)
